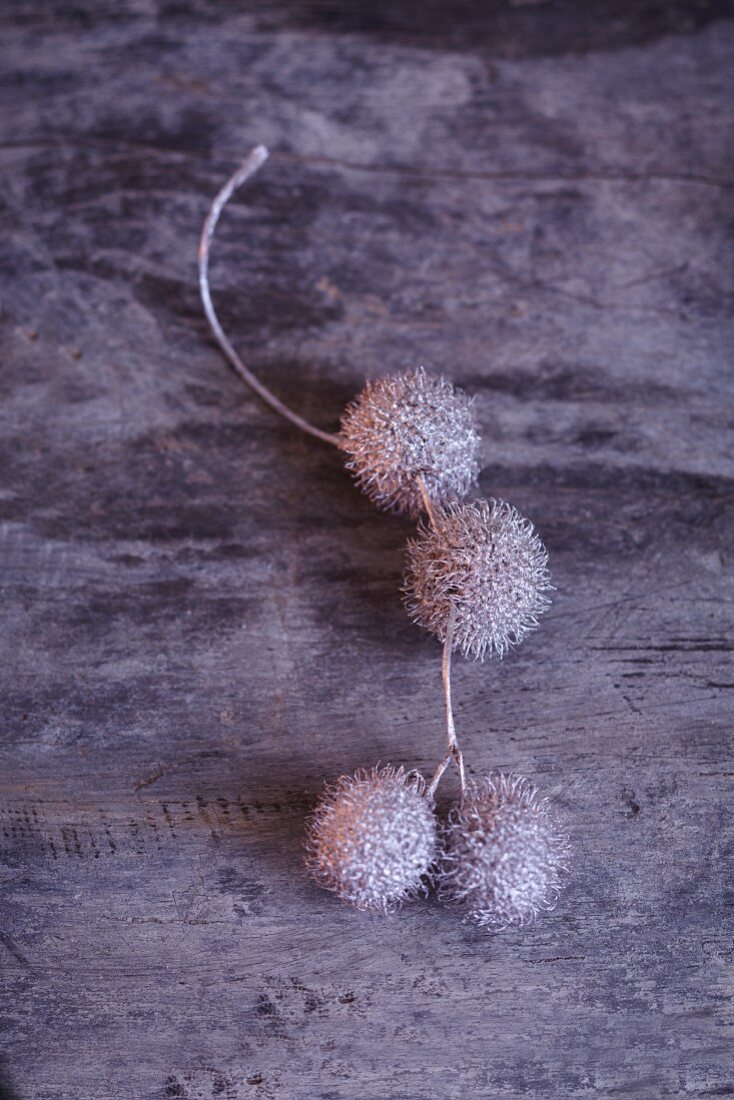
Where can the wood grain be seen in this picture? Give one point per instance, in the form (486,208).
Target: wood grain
(201,615)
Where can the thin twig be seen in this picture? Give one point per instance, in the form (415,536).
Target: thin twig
(427,502)
(438,774)
(249,166)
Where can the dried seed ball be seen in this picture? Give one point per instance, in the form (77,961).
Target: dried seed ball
(504,854)
(408,426)
(373,838)
(487,562)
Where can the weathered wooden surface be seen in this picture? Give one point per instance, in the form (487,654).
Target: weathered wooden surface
(201,619)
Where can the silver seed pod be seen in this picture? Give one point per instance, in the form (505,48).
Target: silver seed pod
(487,562)
(408,426)
(504,856)
(373,838)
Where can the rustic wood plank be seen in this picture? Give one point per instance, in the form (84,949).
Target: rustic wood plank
(201,616)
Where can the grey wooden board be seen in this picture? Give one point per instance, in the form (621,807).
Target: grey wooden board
(201,615)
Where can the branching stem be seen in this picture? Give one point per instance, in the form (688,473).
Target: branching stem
(454,754)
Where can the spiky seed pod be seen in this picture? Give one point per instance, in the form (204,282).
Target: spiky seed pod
(407,426)
(504,856)
(487,562)
(373,838)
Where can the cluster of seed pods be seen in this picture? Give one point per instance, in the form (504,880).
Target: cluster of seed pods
(477,578)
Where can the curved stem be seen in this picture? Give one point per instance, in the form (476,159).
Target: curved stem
(249,166)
